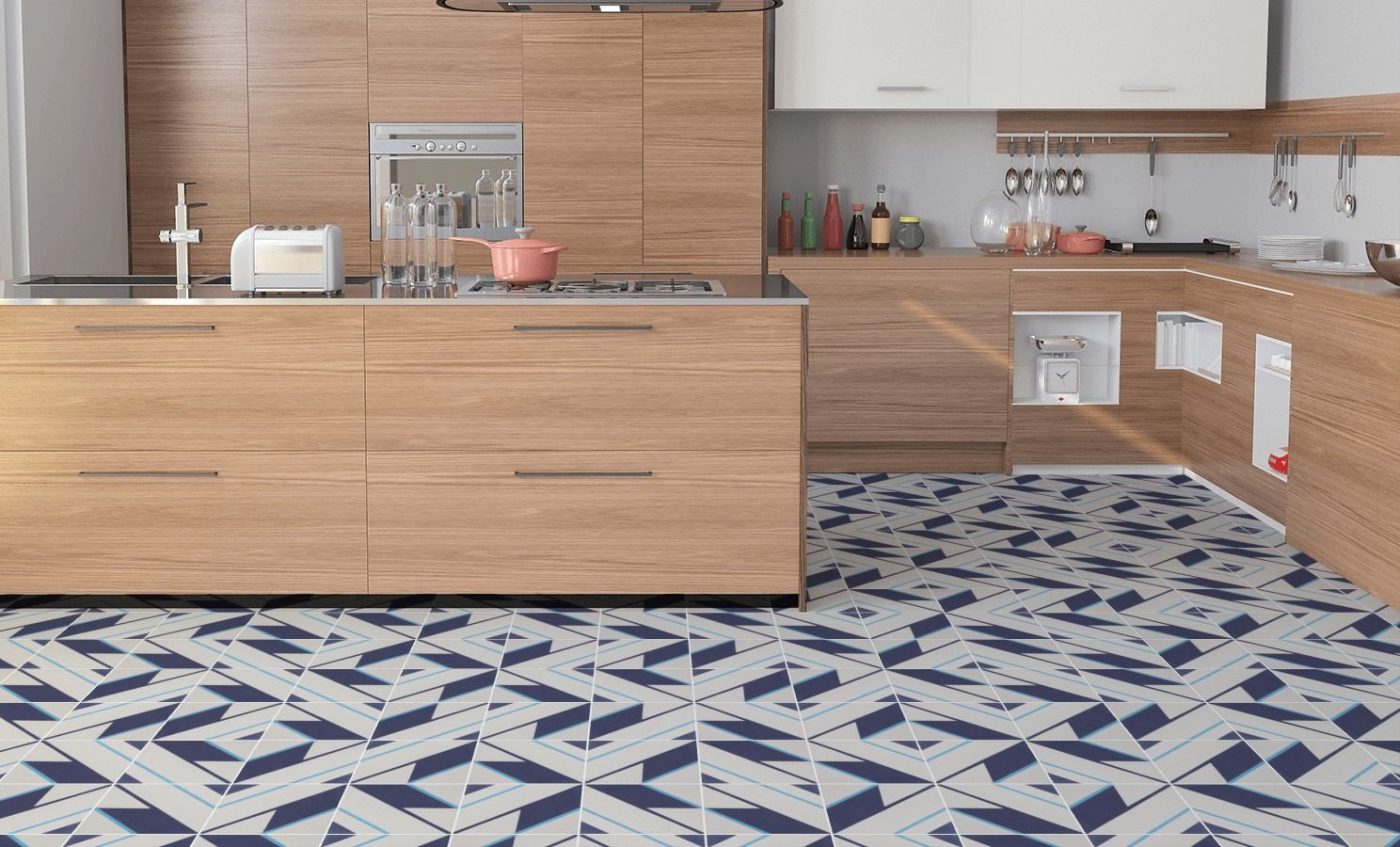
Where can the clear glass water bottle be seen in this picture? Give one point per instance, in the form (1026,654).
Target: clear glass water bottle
(507,201)
(486,200)
(422,240)
(445,217)
(393,236)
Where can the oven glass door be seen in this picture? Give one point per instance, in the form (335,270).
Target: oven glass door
(459,173)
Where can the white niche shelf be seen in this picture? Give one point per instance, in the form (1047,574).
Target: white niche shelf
(1273,398)
(1191,343)
(1099,362)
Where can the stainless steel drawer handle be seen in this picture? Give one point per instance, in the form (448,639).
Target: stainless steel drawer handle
(586,328)
(903,88)
(1146,89)
(584,474)
(153,329)
(148,474)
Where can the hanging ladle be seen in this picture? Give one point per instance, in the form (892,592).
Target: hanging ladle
(1076,177)
(1152,221)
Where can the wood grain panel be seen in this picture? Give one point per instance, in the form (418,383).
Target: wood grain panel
(1345,458)
(583,111)
(1218,420)
(709,523)
(187,121)
(1145,427)
(705,97)
(907,458)
(907,356)
(429,65)
(156,378)
(714,377)
(269,523)
(308,113)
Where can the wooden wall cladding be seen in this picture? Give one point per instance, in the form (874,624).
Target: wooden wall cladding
(1250,132)
(307,112)
(187,120)
(583,113)
(433,66)
(1145,427)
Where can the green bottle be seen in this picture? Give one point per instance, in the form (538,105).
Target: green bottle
(810,237)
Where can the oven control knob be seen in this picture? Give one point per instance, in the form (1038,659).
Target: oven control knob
(430,146)
(461,146)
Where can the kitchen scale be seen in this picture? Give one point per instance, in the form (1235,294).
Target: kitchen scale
(1058,373)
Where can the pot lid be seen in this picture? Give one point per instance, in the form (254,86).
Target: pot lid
(632,6)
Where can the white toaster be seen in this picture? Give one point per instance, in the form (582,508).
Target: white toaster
(289,258)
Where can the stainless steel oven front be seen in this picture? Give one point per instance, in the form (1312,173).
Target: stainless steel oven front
(454,154)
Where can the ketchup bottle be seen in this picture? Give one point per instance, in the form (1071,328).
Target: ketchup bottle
(833,228)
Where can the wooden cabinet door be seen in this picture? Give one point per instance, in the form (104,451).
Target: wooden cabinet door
(584,377)
(629,522)
(705,104)
(182,523)
(186,121)
(1145,427)
(308,118)
(1345,458)
(182,378)
(891,54)
(430,65)
(583,140)
(1218,419)
(907,356)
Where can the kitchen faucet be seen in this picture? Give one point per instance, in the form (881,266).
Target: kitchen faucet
(182,236)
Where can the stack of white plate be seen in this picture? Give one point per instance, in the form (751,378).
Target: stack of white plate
(1290,248)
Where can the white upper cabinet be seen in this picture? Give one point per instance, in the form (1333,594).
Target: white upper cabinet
(1021,54)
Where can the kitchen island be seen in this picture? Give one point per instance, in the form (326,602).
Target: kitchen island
(503,444)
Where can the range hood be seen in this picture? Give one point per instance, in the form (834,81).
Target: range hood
(631,7)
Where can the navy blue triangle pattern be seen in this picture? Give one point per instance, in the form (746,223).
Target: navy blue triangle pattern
(987,661)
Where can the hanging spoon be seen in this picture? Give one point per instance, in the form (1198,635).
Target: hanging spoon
(1013,174)
(1293,180)
(1152,221)
(1028,175)
(1061,175)
(1076,178)
(1349,204)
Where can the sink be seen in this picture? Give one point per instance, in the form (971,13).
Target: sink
(125,281)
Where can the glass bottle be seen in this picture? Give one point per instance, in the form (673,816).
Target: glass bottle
(787,229)
(857,238)
(810,239)
(393,239)
(486,200)
(1039,217)
(507,201)
(422,240)
(880,223)
(445,218)
(832,228)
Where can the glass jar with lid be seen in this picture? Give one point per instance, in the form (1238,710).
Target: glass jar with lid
(909,235)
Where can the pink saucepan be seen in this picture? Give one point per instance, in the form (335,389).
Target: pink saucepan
(522,261)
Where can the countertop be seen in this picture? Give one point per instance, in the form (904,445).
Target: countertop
(1246,267)
(740,290)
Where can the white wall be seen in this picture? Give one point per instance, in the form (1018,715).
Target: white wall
(67,136)
(8,202)
(939,165)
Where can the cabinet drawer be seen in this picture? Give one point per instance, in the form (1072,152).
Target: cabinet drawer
(584,378)
(586,522)
(182,523)
(186,378)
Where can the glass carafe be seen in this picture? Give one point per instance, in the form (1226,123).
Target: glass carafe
(1040,220)
(393,228)
(445,217)
(422,240)
(507,201)
(486,200)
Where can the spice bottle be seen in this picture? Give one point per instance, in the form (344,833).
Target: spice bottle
(810,238)
(857,238)
(787,228)
(880,222)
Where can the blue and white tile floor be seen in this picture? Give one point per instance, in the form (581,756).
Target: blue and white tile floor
(987,661)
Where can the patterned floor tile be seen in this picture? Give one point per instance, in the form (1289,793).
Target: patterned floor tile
(1135,809)
(643,762)
(660,810)
(764,809)
(1009,810)
(153,810)
(514,809)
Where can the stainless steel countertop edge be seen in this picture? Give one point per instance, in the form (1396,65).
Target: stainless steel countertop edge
(371,303)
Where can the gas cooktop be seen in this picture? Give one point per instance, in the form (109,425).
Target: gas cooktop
(602,286)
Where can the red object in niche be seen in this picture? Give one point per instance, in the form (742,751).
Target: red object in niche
(1278,460)
(787,227)
(833,228)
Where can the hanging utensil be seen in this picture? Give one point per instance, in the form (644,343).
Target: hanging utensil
(1076,178)
(1061,175)
(1152,221)
(1013,173)
(1028,175)
(1293,180)
(1276,188)
(1349,204)
(1339,193)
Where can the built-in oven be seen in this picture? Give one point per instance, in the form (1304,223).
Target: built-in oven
(457,155)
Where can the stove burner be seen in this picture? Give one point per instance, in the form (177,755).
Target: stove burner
(493,287)
(600,286)
(589,287)
(672,286)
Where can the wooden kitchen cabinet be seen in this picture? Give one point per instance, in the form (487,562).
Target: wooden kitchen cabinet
(906,367)
(182,523)
(429,65)
(308,115)
(1144,426)
(584,378)
(1217,420)
(586,522)
(705,105)
(182,378)
(187,121)
(583,114)
(1345,458)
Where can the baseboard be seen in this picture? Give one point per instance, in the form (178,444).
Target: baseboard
(1263,518)
(1100,470)
(988,457)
